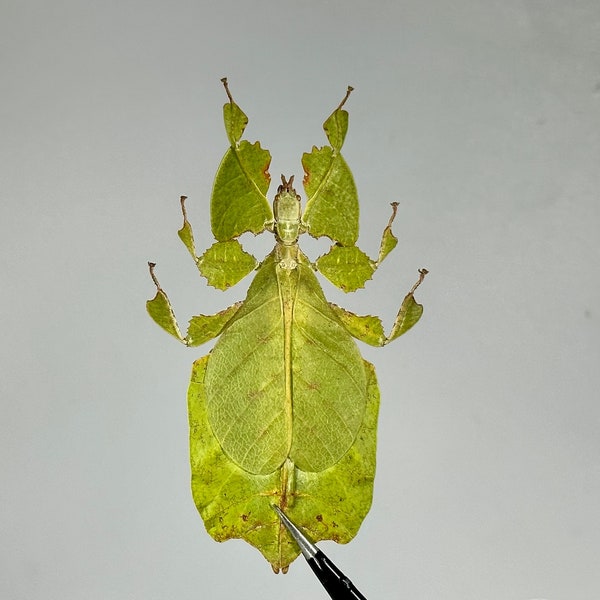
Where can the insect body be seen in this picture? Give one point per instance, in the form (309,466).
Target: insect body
(284,409)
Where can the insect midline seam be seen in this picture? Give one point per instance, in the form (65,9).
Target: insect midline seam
(287,309)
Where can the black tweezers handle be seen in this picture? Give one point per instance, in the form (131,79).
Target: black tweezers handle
(338,586)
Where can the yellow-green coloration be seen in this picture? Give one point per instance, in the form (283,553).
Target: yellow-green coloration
(284,409)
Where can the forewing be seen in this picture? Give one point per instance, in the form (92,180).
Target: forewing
(329,380)
(245,380)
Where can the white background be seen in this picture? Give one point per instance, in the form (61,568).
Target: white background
(480,118)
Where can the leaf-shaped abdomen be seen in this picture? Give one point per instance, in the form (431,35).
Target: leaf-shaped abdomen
(285,379)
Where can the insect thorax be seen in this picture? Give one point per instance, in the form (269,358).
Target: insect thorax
(286,211)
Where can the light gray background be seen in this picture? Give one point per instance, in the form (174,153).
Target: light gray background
(480,118)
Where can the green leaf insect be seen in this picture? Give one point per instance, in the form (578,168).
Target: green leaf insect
(284,409)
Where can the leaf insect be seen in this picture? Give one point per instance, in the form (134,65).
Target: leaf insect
(284,409)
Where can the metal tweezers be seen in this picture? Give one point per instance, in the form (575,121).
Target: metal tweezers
(337,585)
